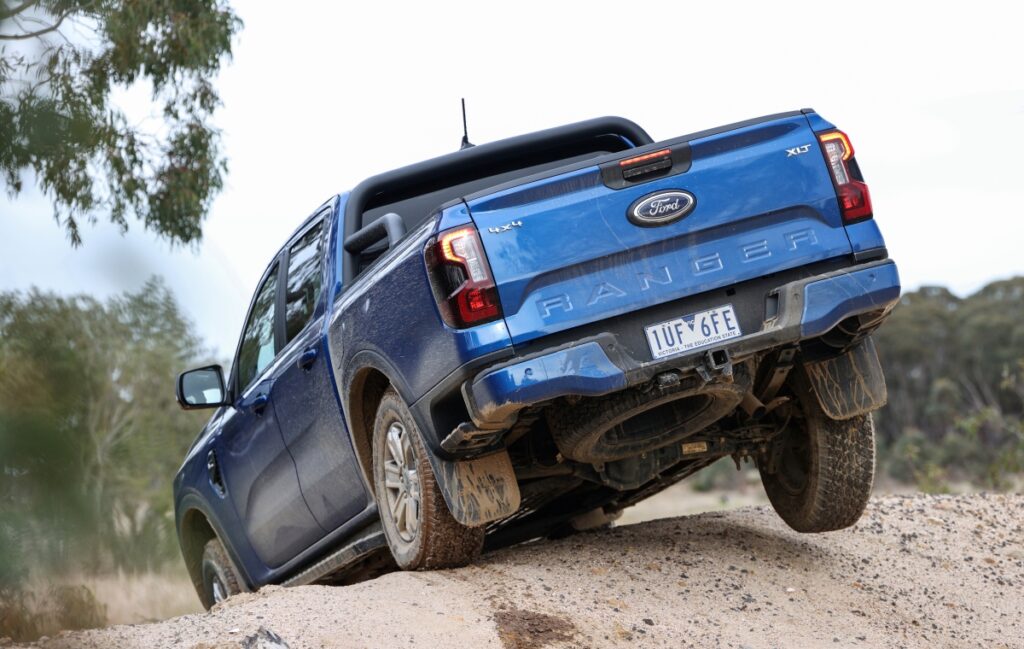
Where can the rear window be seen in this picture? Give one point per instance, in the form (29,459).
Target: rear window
(303,283)
(258,348)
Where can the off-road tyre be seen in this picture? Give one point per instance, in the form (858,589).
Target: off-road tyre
(220,580)
(440,541)
(836,460)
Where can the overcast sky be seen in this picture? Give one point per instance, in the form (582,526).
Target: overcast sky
(320,95)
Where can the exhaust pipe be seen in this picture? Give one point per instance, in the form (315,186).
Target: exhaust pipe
(753,406)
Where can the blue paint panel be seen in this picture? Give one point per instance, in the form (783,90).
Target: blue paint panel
(819,123)
(262,484)
(192,487)
(313,429)
(453,217)
(577,259)
(392,313)
(829,301)
(865,235)
(583,370)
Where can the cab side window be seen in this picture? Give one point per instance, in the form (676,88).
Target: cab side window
(304,281)
(258,349)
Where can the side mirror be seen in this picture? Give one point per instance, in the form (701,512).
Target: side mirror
(202,388)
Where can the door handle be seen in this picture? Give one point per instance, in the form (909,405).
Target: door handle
(308,358)
(259,404)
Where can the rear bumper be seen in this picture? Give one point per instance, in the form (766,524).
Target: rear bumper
(594,366)
(831,299)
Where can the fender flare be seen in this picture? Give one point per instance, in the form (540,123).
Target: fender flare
(366,359)
(192,500)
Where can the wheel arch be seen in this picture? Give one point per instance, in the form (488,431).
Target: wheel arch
(476,491)
(194,532)
(196,525)
(367,386)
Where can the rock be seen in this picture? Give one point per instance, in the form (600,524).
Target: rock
(264,639)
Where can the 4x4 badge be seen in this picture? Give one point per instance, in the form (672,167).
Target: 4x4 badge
(506,227)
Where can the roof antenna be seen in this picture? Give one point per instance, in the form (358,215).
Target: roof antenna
(465,131)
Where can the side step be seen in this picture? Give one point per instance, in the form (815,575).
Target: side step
(369,540)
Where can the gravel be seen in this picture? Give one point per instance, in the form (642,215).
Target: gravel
(921,571)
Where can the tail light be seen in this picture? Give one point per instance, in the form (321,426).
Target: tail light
(852,192)
(462,281)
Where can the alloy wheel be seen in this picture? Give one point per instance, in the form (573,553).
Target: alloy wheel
(401,482)
(219,592)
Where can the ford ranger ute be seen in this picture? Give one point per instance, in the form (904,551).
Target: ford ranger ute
(522,338)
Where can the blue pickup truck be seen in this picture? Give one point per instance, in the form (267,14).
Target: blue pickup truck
(521,339)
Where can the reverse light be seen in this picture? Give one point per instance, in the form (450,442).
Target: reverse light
(463,286)
(852,192)
(463,247)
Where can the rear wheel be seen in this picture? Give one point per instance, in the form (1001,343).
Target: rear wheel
(420,530)
(823,471)
(220,580)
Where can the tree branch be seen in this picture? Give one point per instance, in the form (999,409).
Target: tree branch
(7,13)
(41,32)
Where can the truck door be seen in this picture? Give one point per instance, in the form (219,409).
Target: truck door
(250,456)
(305,399)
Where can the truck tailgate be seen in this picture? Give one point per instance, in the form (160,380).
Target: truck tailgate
(563,252)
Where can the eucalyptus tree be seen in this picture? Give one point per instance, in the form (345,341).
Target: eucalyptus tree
(61,64)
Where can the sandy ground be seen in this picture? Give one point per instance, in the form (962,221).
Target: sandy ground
(924,571)
(132,598)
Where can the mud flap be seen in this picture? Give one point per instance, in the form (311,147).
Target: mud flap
(478,491)
(851,384)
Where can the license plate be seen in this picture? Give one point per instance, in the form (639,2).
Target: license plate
(692,331)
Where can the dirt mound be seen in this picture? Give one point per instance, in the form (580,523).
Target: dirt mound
(925,571)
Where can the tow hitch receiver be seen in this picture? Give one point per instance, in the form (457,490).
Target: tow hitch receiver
(715,363)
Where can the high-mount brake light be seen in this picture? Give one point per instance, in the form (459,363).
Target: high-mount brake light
(646,166)
(644,158)
(852,192)
(462,280)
